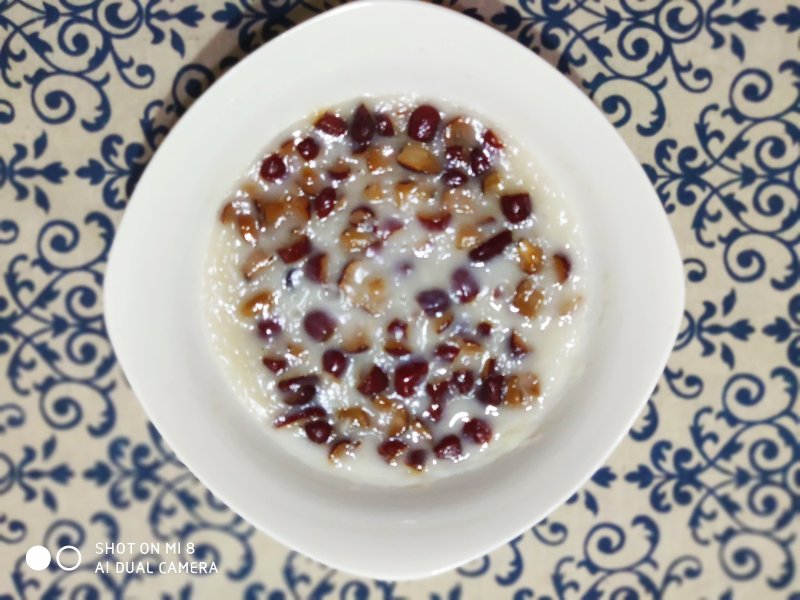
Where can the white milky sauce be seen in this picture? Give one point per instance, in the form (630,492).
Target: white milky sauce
(556,340)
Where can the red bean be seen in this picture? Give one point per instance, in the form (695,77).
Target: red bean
(423,123)
(269,328)
(308,148)
(449,447)
(334,362)
(362,126)
(484,329)
(384,125)
(433,302)
(454,178)
(437,391)
(491,139)
(316,268)
(463,381)
(276,364)
(390,450)
(435,411)
(303,396)
(408,376)
(516,207)
(294,384)
(296,250)
(479,162)
(491,247)
(447,352)
(455,156)
(477,430)
(318,432)
(416,459)
(331,124)
(319,325)
(374,381)
(491,389)
(273,168)
(464,286)
(324,202)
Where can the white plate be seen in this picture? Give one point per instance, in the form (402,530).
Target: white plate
(154,317)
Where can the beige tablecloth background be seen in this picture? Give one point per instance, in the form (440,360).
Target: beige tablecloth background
(701,501)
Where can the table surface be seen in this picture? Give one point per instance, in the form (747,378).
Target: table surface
(701,500)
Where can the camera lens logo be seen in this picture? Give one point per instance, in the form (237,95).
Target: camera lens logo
(68,558)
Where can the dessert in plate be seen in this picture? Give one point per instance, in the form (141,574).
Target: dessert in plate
(396,283)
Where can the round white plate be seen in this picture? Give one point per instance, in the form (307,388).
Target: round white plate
(154,317)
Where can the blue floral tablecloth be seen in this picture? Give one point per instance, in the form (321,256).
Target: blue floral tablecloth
(702,500)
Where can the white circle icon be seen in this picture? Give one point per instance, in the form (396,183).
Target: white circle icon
(38,558)
(76,559)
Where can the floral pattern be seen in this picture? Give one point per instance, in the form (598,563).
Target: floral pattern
(19,173)
(709,476)
(630,45)
(68,52)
